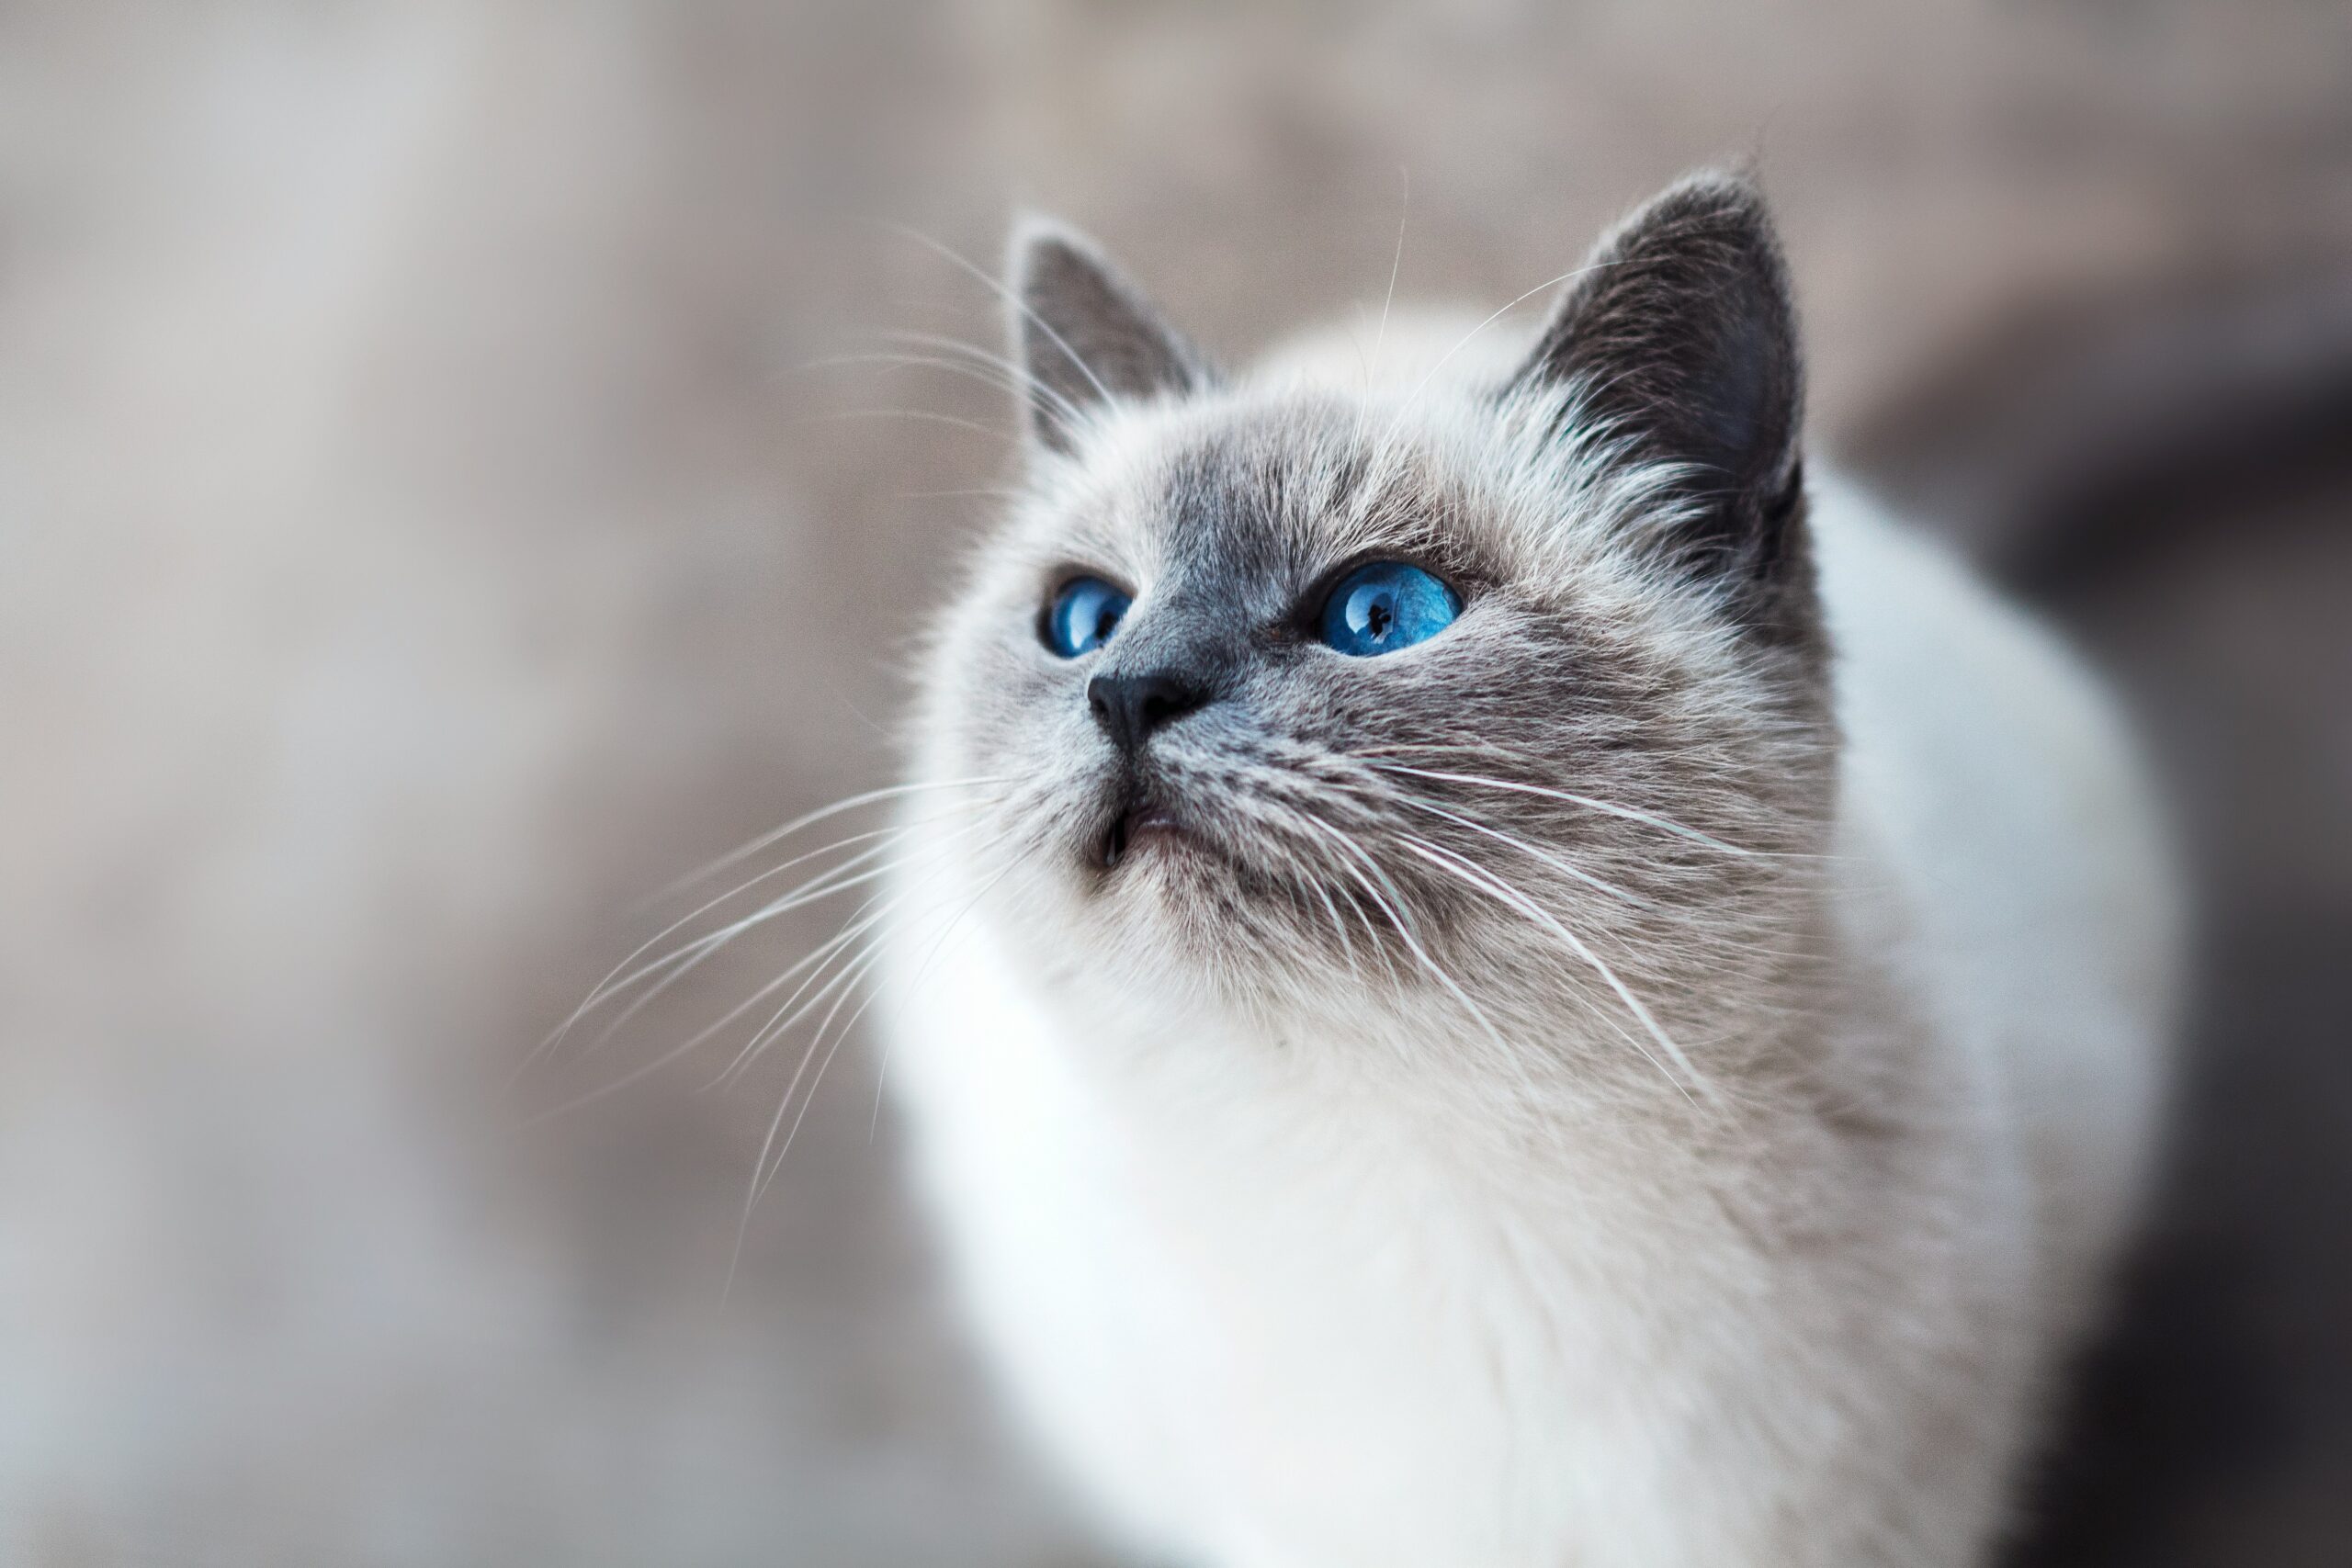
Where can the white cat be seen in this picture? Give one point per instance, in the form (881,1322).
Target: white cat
(1488,975)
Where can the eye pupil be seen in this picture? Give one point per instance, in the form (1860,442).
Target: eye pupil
(1384,606)
(1084,613)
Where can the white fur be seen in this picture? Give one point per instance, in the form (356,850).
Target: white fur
(1265,1314)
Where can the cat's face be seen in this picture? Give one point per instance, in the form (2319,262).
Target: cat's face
(1285,689)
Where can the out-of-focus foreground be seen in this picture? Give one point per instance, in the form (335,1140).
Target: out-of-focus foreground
(423,533)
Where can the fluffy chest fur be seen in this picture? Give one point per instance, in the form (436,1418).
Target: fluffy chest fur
(1274,1304)
(1621,1081)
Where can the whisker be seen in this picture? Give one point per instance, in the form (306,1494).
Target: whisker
(868,957)
(793,1008)
(860,922)
(973,493)
(763,1175)
(1017,379)
(980,373)
(694,954)
(1479,876)
(759,1164)
(819,958)
(868,797)
(693,1043)
(1554,862)
(922,967)
(1404,929)
(920,416)
(1338,929)
(1010,297)
(1421,386)
(1573,798)
(612,984)
(1396,262)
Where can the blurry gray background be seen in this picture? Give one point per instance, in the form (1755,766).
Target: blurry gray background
(423,535)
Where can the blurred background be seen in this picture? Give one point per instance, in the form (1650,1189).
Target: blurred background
(426,529)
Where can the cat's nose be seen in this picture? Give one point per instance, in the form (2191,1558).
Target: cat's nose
(1129,707)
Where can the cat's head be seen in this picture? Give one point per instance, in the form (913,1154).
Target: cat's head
(1496,688)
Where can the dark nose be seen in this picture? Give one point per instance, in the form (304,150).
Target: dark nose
(1129,707)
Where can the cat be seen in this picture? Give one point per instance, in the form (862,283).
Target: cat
(1490,971)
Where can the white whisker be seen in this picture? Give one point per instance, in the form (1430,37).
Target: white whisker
(618,979)
(1631,813)
(1514,842)
(838,879)
(1019,304)
(851,803)
(1479,876)
(1404,929)
(1396,262)
(1471,336)
(1013,376)
(920,416)
(980,373)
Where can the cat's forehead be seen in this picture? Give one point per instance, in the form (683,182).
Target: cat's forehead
(1269,486)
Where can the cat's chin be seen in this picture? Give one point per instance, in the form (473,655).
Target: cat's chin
(1165,866)
(1145,870)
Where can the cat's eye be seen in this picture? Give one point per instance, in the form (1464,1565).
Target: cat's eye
(1384,606)
(1084,613)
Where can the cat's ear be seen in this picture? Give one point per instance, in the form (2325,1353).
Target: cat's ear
(1085,337)
(1679,337)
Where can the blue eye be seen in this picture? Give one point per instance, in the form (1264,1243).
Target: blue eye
(1083,615)
(1384,606)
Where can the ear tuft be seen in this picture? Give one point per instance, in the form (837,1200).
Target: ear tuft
(1086,337)
(1679,334)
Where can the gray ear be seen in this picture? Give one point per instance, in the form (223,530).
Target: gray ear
(1681,333)
(1086,337)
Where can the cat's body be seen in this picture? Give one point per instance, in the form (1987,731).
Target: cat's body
(1726,1200)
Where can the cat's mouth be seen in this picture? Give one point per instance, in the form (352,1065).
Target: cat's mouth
(1174,846)
(1142,822)
(1139,826)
